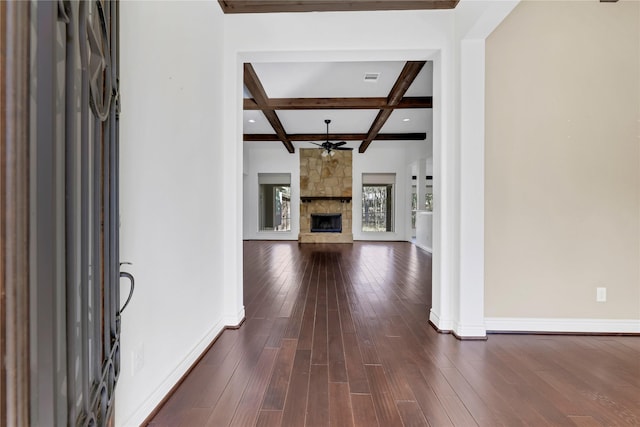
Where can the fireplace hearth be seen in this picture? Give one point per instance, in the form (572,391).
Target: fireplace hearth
(326,223)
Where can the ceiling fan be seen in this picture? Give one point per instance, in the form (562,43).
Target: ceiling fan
(328,146)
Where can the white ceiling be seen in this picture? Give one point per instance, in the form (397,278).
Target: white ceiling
(332,80)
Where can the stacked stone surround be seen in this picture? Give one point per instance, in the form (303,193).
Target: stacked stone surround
(330,176)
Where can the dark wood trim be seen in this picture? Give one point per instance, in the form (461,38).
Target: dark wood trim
(336,136)
(14,213)
(380,120)
(184,376)
(343,199)
(261,6)
(407,76)
(255,88)
(338,103)
(386,106)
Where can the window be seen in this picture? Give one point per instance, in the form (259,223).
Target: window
(275,201)
(377,202)
(428,203)
(414,205)
(428,200)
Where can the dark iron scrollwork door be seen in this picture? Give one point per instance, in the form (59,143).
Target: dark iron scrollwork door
(75,320)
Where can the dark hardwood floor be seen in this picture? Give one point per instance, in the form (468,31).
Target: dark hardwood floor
(338,335)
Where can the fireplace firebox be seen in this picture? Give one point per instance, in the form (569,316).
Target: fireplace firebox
(326,223)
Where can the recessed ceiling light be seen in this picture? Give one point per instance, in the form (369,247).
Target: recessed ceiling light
(251,121)
(406,120)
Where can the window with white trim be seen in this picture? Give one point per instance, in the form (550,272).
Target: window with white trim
(275,201)
(378,201)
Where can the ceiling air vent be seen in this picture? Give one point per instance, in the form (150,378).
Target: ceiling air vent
(371,77)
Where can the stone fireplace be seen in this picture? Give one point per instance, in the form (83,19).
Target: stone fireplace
(325,193)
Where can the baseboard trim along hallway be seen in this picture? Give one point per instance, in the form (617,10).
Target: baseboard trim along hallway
(587,326)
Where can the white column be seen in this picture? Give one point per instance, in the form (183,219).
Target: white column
(232,202)
(444,176)
(458,162)
(470,322)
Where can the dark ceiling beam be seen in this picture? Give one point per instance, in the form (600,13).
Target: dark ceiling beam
(253,85)
(276,6)
(338,103)
(407,76)
(381,119)
(337,137)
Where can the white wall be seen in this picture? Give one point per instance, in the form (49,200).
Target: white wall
(413,35)
(179,145)
(269,157)
(181,63)
(379,158)
(408,35)
(171,175)
(424,228)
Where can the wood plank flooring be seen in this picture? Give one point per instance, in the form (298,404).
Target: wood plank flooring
(338,335)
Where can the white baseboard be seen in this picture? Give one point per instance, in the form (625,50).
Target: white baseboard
(232,320)
(442,324)
(424,247)
(461,331)
(470,331)
(524,324)
(144,410)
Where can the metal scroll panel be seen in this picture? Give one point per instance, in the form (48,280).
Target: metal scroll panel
(76,190)
(14,213)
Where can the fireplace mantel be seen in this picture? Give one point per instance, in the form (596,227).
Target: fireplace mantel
(341,199)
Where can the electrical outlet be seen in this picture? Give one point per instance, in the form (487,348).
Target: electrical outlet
(601,294)
(137,359)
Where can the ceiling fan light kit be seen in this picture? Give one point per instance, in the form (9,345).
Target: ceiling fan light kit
(328,147)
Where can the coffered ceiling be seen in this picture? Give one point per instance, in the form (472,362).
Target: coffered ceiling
(367,102)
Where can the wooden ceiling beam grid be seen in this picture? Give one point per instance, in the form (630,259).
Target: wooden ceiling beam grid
(260,97)
(407,76)
(277,6)
(338,103)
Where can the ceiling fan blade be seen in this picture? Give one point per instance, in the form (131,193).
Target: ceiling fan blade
(338,144)
(343,148)
(314,143)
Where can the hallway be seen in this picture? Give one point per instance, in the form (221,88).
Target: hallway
(338,335)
